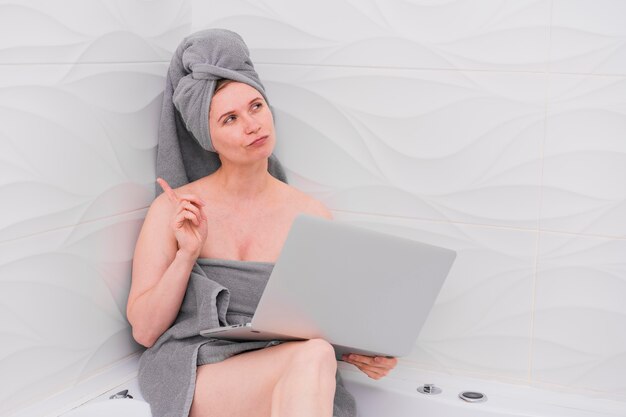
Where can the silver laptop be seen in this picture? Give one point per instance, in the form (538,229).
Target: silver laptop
(363,291)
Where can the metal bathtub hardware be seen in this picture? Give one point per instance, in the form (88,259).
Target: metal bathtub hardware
(429,389)
(473,397)
(121,394)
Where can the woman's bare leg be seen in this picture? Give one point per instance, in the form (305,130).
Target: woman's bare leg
(294,379)
(306,390)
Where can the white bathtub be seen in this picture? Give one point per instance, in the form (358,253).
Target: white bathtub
(397,396)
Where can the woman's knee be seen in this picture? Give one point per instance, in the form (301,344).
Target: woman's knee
(317,353)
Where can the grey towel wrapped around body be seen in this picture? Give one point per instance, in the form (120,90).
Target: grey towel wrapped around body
(220,292)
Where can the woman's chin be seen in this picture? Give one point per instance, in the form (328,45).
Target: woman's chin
(259,155)
(264,150)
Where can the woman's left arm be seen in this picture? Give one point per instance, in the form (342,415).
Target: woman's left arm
(375,367)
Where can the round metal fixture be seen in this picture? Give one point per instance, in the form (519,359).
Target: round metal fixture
(473,397)
(429,389)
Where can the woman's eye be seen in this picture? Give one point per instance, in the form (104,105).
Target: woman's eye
(229,119)
(257,106)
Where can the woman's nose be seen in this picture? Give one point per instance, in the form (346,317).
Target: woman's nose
(252,125)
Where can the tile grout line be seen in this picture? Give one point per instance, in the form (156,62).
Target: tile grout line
(79,63)
(340,66)
(533,300)
(468,70)
(482,225)
(72,226)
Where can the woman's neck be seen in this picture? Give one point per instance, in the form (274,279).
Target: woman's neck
(243,182)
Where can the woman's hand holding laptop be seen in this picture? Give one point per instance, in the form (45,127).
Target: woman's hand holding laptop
(375,367)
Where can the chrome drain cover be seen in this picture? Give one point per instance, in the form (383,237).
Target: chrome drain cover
(473,397)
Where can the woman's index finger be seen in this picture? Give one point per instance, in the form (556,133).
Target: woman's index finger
(171,194)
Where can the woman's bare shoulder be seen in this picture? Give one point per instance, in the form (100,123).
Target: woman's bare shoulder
(194,188)
(162,205)
(304,203)
(158,205)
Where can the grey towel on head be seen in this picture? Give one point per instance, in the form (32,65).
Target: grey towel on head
(184,151)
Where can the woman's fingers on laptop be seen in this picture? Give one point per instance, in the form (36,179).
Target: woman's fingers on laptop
(377,361)
(375,367)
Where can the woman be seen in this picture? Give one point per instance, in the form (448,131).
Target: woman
(240,214)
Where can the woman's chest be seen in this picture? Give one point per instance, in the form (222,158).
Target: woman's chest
(248,236)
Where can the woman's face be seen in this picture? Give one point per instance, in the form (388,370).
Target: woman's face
(241,124)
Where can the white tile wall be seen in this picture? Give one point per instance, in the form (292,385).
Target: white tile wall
(441,145)
(481,34)
(589,36)
(71,31)
(78,142)
(482,126)
(585,156)
(80,93)
(579,338)
(63,304)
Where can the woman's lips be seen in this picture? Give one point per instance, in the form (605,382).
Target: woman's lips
(258,142)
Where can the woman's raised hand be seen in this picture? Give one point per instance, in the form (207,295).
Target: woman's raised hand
(189,221)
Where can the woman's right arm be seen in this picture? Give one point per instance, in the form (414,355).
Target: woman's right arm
(170,240)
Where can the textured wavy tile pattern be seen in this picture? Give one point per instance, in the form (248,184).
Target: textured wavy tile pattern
(63,303)
(80,93)
(484,34)
(74,144)
(579,337)
(585,156)
(441,145)
(589,36)
(71,31)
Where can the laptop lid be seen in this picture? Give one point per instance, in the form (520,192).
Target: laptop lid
(359,289)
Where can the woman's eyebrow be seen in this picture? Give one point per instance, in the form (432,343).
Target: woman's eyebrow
(233,111)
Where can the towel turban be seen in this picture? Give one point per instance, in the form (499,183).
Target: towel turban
(184,149)
(207,57)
